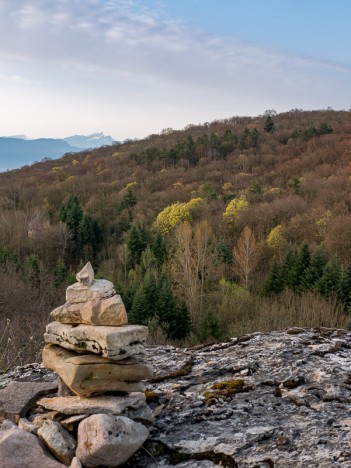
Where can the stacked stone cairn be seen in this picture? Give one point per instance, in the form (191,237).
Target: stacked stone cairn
(99,360)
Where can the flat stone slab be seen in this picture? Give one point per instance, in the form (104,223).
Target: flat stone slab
(106,404)
(18,397)
(89,374)
(111,342)
(20,449)
(109,440)
(99,289)
(110,311)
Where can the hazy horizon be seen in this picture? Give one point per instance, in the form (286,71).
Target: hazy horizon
(133,68)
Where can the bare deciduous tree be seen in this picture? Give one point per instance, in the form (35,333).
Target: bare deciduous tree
(246,255)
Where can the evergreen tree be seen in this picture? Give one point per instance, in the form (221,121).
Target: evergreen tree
(144,302)
(275,282)
(269,126)
(314,271)
(329,282)
(137,240)
(300,266)
(158,248)
(344,288)
(288,267)
(60,272)
(223,252)
(128,202)
(210,327)
(71,213)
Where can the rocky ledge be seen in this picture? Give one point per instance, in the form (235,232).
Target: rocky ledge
(262,400)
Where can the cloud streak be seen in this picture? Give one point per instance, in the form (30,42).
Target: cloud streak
(123,39)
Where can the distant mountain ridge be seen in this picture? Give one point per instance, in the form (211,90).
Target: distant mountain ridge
(19,151)
(95,140)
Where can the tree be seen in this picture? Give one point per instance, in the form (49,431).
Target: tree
(245,255)
(137,241)
(329,282)
(233,210)
(71,213)
(269,126)
(277,241)
(193,266)
(175,320)
(301,265)
(275,282)
(210,327)
(174,214)
(315,270)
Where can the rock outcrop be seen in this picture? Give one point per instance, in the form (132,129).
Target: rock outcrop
(279,399)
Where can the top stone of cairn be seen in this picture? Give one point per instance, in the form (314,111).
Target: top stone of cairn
(87,288)
(86,275)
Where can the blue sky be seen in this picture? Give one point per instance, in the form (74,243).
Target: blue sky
(132,67)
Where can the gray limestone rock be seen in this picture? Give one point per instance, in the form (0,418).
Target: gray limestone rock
(106,404)
(19,448)
(99,289)
(17,398)
(89,374)
(109,440)
(109,311)
(28,426)
(75,463)
(58,440)
(86,275)
(111,342)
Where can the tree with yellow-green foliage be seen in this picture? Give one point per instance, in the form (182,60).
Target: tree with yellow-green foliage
(277,241)
(234,208)
(174,215)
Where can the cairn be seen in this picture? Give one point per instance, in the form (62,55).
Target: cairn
(99,360)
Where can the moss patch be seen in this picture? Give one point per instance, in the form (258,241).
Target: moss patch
(225,389)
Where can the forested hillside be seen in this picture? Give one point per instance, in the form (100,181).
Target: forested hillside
(233,226)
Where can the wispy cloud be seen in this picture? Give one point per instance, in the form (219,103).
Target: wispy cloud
(126,40)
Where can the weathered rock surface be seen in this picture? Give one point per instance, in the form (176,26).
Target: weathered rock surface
(282,399)
(58,440)
(108,440)
(111,342)
(17,398)
(110,312)
(19,448)
(106,404)
(99,289)
(89,374)
(288,403)
(28,426)
(75,463)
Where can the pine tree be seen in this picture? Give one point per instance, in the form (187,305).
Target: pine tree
(137,240)
(223,252)
(344,288)
(60,272)
(210,327)
(269,126)
(315,271)
(158,248)
(275,282)
(145,300)
(71,213)
(288,267)
(300,266)
(329,282)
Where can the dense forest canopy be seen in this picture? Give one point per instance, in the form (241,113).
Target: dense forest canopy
(233,226)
